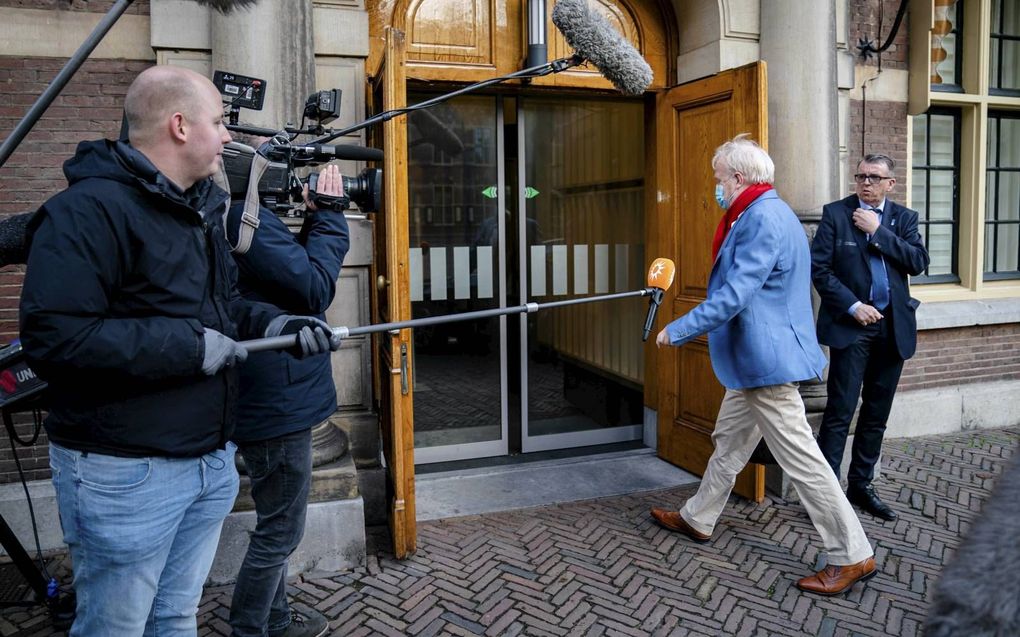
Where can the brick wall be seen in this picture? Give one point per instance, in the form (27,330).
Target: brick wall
(873,20)
(89,107)
(963,355)
(878,126)
(34,459)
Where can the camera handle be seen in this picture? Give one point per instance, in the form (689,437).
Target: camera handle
(541,70)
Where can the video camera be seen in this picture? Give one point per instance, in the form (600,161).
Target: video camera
(279,187)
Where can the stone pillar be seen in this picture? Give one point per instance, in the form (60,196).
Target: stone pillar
(271,40)
(798,43)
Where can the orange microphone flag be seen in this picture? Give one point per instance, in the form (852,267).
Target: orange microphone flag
(661,273)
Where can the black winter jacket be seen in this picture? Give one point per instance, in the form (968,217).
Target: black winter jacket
(281,394)
(123,275)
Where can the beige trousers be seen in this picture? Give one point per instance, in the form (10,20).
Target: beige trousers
(777,413)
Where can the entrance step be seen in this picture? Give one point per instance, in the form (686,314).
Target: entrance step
(530,484)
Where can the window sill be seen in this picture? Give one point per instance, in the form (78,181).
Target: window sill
(936,315)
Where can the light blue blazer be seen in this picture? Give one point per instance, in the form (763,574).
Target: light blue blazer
(758,311)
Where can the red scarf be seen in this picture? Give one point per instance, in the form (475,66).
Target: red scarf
(729,217)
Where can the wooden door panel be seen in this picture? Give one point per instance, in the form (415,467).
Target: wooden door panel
(691,121)
(392,303)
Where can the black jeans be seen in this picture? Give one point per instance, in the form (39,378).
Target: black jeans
(874,364)
(280,470)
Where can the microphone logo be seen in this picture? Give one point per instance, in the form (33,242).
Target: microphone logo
(661,273)
(660,277)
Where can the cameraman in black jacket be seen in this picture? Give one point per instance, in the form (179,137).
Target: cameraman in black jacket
(129,312)
(281,400)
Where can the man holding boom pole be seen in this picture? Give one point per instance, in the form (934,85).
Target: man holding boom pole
(762,342)
(129,312)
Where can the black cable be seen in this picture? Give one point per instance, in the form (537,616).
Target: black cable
(866,46)
(12,436)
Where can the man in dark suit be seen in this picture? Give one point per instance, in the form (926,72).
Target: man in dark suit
(865,247)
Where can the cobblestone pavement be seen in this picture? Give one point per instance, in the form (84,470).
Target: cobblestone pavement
(602,567)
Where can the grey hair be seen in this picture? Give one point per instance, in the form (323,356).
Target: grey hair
(878,158)
(742,155)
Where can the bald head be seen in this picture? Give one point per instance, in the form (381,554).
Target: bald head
(175,118)
(156,94)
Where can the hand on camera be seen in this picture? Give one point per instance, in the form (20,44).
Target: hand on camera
(313,336)
(220,351)
(330,184)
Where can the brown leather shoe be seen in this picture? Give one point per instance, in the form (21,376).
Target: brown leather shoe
(833,580)
(672,521)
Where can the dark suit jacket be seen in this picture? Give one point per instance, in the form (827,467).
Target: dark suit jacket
(842,275)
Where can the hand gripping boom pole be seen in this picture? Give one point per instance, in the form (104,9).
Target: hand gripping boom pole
(656,281)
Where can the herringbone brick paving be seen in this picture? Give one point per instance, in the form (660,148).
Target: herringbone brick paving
(602,567)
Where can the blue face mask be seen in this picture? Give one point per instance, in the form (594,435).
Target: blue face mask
(720,198)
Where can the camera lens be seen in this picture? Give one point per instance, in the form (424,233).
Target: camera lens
(365,189)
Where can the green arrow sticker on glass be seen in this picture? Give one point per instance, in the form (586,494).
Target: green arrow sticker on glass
(490,192)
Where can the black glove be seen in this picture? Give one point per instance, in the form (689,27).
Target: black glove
(314,336)
(220,351)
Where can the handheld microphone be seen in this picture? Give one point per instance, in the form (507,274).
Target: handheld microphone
(592,37)
(660,277)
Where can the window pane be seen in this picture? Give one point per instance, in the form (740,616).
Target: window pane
(918,194)
(940,140)
(1006,248)
(1009,146)
(991,183)
(989,242)
(919,147)
(940,206)
(940,249)
(944,44)
(1009,196)
(1010,66)
(1004,70)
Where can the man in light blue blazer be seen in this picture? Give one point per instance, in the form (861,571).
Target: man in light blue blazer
(762,341)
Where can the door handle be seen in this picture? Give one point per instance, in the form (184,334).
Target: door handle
(381,282)
(403,369)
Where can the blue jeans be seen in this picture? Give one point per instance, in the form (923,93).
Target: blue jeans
(281,472)
(142,533)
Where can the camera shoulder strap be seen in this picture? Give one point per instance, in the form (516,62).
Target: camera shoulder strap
(250,213)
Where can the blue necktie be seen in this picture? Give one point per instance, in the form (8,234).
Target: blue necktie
(879,278)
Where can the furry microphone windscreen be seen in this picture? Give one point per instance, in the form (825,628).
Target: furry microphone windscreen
(225,6)
(13,240)
(594,39)
(978,593)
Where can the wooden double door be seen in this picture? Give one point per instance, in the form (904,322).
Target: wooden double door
(685,125)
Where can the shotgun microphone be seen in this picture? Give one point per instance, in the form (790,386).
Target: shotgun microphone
(593,38)
(660,277)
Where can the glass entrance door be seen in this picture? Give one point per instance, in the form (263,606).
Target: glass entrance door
(582,217)
(516,200)
(457,257)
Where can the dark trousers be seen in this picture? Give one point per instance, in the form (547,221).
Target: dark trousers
(869,368)
(280,470)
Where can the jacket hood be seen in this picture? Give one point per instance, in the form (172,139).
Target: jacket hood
(119,161)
